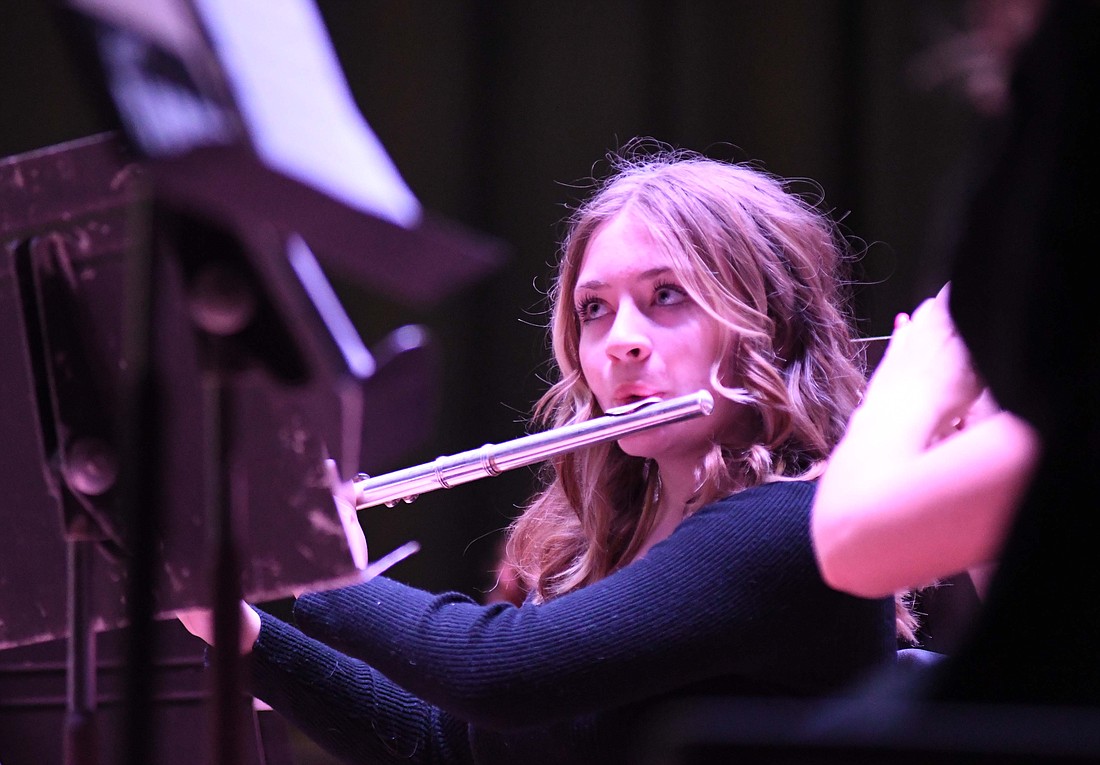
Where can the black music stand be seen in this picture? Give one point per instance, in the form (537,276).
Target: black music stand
(173,434)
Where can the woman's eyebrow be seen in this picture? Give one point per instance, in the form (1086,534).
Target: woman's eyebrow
(595,284)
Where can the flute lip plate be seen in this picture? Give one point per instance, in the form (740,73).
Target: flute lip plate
(705,403)
(632,407)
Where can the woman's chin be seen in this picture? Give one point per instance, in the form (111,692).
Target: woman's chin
(640,446)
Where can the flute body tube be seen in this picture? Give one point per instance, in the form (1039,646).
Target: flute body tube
(494,459)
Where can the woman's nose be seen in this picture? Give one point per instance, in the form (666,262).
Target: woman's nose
(628,338)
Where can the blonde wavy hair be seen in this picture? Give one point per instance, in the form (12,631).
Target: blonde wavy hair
(769,268)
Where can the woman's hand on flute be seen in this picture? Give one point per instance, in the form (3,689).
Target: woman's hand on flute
(200,623)
(344,494)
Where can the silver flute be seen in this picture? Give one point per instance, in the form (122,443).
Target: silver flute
(493,459)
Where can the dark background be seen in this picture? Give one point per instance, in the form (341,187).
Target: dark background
(495,111)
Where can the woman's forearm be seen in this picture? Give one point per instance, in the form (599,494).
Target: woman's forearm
(887,518)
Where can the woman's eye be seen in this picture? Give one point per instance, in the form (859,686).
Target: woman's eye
(590,309)
(668,294)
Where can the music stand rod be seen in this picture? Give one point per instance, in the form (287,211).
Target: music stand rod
(80,729)
(223,304)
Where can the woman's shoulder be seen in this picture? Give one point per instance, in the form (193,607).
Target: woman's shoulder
(778,507)
(766,496)
(751,530)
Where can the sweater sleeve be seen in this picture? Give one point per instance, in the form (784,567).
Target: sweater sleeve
(733,591)
(348,708)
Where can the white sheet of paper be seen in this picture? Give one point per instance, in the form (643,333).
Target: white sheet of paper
(299,109)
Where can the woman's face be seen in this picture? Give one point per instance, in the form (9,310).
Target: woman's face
(641,336)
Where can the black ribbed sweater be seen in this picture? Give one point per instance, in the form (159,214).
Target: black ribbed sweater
(730,603)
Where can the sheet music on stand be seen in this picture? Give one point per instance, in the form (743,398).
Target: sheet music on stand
(286,87)
(200,77)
